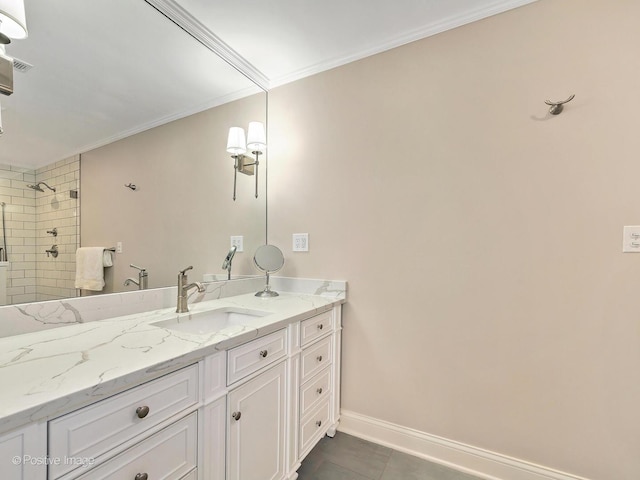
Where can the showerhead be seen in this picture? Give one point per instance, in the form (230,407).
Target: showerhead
(39,188)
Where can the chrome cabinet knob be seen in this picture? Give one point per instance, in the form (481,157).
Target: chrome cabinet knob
(319,423)
(142,412)
(264,353)
(236,415)
(141,476)
(319,358)
(319,391)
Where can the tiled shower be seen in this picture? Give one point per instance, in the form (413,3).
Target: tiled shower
(29,215)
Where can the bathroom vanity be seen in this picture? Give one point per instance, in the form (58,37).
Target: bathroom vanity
(148,396)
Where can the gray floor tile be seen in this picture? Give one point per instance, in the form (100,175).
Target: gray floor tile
(356,455)
(408,467)
(350,458)
(331,471)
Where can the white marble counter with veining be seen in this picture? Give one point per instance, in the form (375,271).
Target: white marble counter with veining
(47,373)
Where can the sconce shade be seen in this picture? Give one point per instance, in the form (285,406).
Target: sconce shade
(13,22)
(256,138)
(236,144)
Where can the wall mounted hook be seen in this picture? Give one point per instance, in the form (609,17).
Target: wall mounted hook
(131,186)
(556,107)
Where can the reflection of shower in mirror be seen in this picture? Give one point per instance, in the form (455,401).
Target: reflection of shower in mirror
(39,188)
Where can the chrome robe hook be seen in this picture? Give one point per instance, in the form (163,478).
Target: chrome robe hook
(556,107)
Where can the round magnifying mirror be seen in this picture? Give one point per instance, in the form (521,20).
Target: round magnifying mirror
(269,259)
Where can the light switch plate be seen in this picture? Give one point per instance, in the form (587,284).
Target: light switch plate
(631,239)
(300,242)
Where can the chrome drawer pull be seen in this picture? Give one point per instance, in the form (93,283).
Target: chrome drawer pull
(263,353)
(319,391)
(319,358)
(141,476)
(320,326)
(236,415)
(319,423)
(142,412)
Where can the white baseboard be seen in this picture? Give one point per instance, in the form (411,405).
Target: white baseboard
(472,460)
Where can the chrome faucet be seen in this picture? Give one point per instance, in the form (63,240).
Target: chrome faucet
(226,265)
(143,278)
(183,290)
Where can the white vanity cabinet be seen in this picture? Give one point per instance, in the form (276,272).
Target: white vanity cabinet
(170,453)
(252,412)
(139,425)
(255,449)
(319,373)
(256,409)
(23,453)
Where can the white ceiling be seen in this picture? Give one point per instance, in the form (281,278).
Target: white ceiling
(105,69)
(290,39)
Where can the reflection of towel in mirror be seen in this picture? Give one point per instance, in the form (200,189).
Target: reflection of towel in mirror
(90,263)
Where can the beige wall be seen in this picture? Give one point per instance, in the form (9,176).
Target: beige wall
(182,212)
(489,301)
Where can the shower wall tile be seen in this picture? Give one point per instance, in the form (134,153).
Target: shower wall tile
(20,226)
(57,210)
(28,215)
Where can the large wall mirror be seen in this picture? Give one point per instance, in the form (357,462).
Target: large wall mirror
(114,93)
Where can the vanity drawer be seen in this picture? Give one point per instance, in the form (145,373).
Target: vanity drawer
(315,426)
(192,475)
(315,391)
(315,358)
(251,357)
(315,327)
(170,454)
(96,429)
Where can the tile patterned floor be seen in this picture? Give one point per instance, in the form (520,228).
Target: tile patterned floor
(345,457)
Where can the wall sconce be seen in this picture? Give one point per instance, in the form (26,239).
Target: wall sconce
(237,146)
(13,22)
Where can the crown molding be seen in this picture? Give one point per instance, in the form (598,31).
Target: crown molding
(425,31)
(191,25)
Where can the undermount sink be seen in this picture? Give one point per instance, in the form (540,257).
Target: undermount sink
(211,321)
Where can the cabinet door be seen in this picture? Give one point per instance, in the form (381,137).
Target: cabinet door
(23,453)
(257,427)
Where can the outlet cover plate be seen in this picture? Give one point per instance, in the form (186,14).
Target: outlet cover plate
(238,241)
(300,242)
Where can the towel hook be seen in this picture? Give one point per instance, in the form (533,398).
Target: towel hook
(556,107)
(131,186)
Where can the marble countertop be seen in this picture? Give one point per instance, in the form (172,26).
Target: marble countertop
(48,373)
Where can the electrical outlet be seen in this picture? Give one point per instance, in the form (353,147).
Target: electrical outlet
(237,241)
(119,247)
(300,242)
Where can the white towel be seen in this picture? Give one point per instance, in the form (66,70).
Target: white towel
(90,263)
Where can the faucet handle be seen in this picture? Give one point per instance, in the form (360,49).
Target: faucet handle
(182,272)
(142,269)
